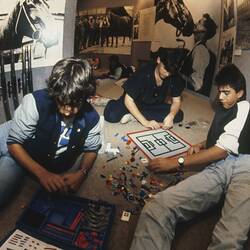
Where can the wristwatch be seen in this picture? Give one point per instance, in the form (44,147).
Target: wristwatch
(181,161)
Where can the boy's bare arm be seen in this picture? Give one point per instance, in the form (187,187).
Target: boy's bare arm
(203,157)
(197,148)
(133,109)
(88,160)
(175,107)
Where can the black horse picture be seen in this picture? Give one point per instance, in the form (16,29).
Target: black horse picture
(28,21)
(177,14)
(194,31)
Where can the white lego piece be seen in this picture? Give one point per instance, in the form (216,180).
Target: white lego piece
(111,150)
(125,216)
(144,160)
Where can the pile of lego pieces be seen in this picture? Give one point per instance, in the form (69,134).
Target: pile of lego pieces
(133,180)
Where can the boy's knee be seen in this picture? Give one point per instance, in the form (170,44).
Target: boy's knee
(156,209)
(8,187)
(110,114)
(110,118)
(157,217)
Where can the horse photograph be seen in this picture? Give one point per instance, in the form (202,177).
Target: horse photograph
(38,23)
(243,31)
(176,26)
(177,19)
(177,14)
(104,30)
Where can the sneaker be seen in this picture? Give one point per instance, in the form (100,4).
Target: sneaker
(127,118)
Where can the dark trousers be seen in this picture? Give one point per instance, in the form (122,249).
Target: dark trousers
(116,109)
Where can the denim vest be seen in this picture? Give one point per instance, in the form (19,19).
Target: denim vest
(43,145)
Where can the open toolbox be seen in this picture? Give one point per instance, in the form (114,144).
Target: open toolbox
(65,222)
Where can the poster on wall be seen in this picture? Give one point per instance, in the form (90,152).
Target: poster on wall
(146,24)
(36,23)
(104,30)
(228,36)
(243,30)
(227,47)
(195,31)
(228,14)
(136,21)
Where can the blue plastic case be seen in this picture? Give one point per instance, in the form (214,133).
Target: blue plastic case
(68,222)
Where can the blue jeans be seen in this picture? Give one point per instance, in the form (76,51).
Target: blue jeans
(11,173)
(196,194)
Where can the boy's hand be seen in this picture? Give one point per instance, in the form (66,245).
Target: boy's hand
(159,165)
(152,124)
(74,180)
(53,182)
(168,121)
(195,149)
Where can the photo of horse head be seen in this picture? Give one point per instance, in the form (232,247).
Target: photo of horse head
(177,14)
(27,18)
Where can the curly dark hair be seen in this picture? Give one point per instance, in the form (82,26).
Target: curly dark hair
(71,81)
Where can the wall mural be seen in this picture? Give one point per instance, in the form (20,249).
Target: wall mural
(136,22)
(195,31)
(104,30)
(243,31)
(228,14)
(228,35)
(38,23)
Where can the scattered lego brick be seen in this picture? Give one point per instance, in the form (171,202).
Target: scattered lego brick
(125,216)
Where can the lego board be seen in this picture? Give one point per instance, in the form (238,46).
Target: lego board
(159,143)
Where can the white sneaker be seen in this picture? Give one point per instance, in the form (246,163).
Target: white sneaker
(127,118)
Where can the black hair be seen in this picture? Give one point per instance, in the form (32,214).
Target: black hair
(210,26)
(171,58)
(114,64)
(232,76)
(71,81)
(114,58)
